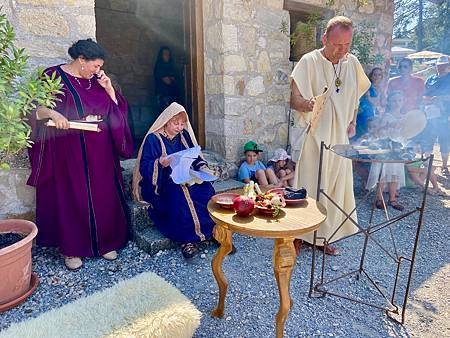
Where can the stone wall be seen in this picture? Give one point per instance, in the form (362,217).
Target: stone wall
(247,67)
(246,73)
(47,28)
(380,13)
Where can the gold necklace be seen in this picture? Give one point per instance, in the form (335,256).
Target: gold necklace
(88,87)
(337,81)
(337,77)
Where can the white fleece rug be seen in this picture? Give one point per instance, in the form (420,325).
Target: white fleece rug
(143,306)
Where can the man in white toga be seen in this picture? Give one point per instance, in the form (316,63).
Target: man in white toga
(331,67)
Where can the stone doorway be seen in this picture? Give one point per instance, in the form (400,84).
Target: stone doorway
(132,31)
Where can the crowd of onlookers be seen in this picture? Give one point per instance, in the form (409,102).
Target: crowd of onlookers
(391,104)
(386,104)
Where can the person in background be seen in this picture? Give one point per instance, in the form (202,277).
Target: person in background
(392,174)
(417,172)
(80,205)
(283,167)
(437,110)
(371,104)
(253,169)
(166,87)
(412,87)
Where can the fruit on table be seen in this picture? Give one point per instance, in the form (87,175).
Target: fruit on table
(243,205)
(272,201)
(258,189)
(249,190)
(277,201)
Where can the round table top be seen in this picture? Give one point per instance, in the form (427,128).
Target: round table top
(292,221)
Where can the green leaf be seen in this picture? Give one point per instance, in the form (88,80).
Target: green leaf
(20,91)
(4,166)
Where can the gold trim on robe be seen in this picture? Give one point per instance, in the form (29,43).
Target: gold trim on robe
(156,163)
(190,203)
(155,175)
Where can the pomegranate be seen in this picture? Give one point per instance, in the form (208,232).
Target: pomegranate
(243,205)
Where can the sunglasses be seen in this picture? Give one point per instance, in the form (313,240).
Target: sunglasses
(404,66)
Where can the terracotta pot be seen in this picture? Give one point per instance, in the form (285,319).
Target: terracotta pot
(15,260)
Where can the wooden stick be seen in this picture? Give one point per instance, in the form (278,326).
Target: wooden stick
(78,125)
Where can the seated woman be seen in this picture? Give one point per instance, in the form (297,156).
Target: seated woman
(178,210)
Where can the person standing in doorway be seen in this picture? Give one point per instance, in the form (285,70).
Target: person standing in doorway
(331,67)
(166,87)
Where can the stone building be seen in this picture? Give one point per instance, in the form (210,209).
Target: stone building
(233,56)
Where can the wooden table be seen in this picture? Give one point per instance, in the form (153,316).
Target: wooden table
(292,222)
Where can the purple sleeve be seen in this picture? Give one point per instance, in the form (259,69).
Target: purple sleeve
(120,131)
(41,152)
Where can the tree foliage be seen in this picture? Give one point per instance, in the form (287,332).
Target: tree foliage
(362,44)
(436,23)
(21,91)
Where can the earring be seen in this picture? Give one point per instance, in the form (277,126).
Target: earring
(82,68)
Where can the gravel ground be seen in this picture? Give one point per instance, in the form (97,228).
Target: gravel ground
(252,299)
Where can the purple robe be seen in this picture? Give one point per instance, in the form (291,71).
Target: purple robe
(80,206)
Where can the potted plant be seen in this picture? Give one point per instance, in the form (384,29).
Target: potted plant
(21,91)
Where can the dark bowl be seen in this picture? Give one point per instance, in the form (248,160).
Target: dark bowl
(288,202)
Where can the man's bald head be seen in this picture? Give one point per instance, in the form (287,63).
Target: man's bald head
(341,22)
(337,38)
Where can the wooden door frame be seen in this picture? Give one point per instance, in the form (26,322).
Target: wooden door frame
(195,70)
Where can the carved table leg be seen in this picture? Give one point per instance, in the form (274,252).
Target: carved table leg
(224,237)
(283,263)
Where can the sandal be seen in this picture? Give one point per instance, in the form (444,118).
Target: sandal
(438,192)
(396,205)
(330,250)
(189,250)
(73,263)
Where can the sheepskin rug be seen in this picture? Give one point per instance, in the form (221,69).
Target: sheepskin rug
(143,306)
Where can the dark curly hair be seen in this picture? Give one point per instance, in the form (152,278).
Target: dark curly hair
(88,49)
(373,71)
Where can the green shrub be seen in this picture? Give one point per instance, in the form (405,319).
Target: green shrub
(21,91)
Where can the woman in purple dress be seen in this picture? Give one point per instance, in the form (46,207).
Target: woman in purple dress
(80,204)
(178,210)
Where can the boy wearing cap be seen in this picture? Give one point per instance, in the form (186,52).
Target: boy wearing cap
(254,170)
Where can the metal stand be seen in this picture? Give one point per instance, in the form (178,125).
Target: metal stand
(318,289)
